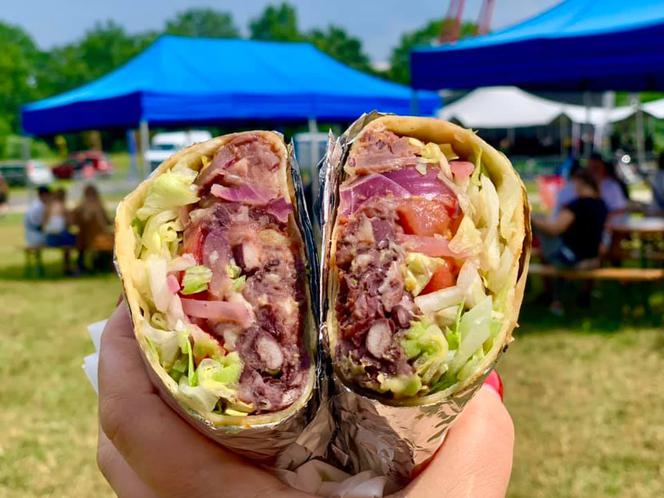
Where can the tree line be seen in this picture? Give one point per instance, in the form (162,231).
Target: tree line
(29,73)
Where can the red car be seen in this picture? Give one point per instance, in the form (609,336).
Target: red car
(83,163)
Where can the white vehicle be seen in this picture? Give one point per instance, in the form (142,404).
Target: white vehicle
(165,145)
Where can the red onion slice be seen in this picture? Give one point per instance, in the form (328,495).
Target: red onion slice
(220,311)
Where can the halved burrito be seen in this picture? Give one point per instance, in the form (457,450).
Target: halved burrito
(212,258)
(427,260)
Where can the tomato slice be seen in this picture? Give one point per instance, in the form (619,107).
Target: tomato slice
(445,276)
(426,217)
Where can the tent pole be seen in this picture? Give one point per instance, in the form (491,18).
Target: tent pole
(640,139)
(587,143)
(132,174)
(561,132)
(313,153)
(144,132)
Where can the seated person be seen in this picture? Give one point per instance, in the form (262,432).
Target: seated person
(612,190)
(568,193)
(94,225)
(575,234)
(657,185)
(56,223)
(34,218)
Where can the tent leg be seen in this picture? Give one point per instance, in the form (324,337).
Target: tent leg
(145,144)
(132,174)
(587,142)
(313,153)
(640,138)
(414,103)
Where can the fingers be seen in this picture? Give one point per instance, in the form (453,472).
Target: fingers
(118,473)
(170,456)
(476,458)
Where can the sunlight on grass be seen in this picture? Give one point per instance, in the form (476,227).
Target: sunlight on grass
(583,389)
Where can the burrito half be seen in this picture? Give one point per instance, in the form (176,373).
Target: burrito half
(427,260)
(214,269)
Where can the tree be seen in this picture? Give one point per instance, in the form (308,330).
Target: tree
(277,22)
(102,49)
(400,59)
(336,42)
(203,23)
(19,60)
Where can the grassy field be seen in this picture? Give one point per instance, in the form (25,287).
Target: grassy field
(582,389)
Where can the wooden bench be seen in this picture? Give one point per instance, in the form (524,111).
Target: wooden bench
(34,265)
(618,274)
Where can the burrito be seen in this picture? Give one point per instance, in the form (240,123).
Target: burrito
(211,254)
(427,260)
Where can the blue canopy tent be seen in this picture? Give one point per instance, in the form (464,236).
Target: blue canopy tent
(185,81)
(578,45)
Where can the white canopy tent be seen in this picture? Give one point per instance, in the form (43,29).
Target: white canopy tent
(654,108)
(511,107)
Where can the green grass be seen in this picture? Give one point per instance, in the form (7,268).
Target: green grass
(48,427)
(584,390)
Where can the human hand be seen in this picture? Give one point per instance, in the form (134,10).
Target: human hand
(146,450)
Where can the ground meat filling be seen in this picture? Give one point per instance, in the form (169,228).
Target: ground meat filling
(372,308)
(275,361)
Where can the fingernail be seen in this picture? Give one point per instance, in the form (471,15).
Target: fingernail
(494,381)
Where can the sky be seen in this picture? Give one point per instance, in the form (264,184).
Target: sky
(379,23)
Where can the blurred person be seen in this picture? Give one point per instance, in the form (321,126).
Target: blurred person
(4,195)
(568,193)
(33,222)
(574,235)
(140,458)
(573,238)
(56,223)
(657,185)
(93,225)
(613,191)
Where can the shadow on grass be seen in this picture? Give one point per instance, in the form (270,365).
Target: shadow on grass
(613,306)
(53,272)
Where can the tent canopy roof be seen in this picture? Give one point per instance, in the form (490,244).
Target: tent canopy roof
(181,80)
(510,107)
(576,45)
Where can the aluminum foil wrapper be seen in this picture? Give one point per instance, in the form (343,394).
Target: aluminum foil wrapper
(281,444)
(386,437)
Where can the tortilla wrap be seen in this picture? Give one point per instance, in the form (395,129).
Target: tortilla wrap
(506,272)
(234,417)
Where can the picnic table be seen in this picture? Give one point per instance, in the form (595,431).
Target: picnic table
(637,237)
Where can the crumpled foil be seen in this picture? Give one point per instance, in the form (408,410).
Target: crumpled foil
(386,437)
(267,443)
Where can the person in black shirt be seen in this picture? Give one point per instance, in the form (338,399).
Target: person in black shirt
(576,233)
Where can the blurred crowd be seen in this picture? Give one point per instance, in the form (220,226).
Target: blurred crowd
(575,234)
(87,227)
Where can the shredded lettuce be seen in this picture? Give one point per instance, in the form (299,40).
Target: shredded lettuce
(233,271)
(169,190)
(179,368)
(419,270)
(157,274)
(196,279)
(470,283)
(160,236)
(467,239)
(474,329)
(448,152)
(402,386)
(438,300)
(426,344)
(475,177)
(198,397)
(164,342)
(205,346)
